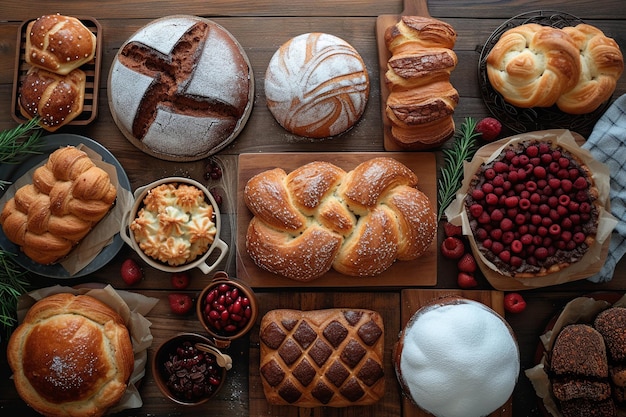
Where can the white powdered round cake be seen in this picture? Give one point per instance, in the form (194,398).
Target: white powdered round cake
(181,88)
(457,358)
(316,85)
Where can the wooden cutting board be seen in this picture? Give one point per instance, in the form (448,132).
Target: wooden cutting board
(402,274)
(385,303)
(411,8)
(413,299)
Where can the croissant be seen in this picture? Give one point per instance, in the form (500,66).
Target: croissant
(602,64)
(320,217)
(421,99)
(68,196)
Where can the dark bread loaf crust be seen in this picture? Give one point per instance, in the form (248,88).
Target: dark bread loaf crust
(182,96)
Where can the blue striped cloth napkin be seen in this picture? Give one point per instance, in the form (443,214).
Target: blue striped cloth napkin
(607,144)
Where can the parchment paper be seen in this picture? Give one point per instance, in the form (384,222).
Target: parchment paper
(457,215)
(581,310)
(102,234)
(132,307)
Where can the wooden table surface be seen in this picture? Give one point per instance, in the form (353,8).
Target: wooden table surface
(261,26)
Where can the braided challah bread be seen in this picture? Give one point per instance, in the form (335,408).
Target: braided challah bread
(68,196)
(575,68)
(331,357)
(319,216)
(421,99)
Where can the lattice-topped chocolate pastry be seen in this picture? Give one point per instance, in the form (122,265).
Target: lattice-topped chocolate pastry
(330,357)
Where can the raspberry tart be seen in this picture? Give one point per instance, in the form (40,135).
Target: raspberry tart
(533,209)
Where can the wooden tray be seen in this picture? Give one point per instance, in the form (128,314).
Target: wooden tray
(92,71)
(420,272)
(384,303)
(411,8)
(412,300)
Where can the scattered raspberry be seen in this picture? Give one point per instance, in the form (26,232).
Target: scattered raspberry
(180,280)
(490,128)
(131,272)
(467,263)
(452,247)
(180,304)
(466,280)
(452,230)
(514,302)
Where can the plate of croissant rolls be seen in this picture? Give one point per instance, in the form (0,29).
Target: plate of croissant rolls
(546,70)
(55,217)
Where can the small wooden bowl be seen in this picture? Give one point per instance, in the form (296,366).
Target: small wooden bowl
(222,337)
(162,355)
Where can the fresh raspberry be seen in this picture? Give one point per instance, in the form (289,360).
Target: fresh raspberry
(131,272)
(465,280)
(490,128)
(452,247)
(180,304)
(180,280)
(467,263)
(452,230)
(514,302)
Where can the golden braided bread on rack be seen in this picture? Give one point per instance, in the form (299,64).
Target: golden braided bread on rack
(68,196)
(533,65)
(421,99)
(602,64)
(319,216)
(575,68)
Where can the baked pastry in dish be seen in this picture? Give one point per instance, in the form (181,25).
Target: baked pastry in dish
(533,209)
(175,225)
(71,356)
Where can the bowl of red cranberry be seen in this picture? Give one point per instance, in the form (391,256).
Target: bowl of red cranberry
(188,369)
(227,309)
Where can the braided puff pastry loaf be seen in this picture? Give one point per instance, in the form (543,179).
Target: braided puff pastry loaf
(421,99)
(319,216)
(331,357)
(71,356)
(68,196)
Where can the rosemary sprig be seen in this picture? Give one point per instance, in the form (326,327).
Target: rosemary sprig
(12,285)
(20,141)
(451,174)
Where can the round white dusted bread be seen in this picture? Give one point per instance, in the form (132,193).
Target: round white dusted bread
(457,358)
(181,88)
(316,85)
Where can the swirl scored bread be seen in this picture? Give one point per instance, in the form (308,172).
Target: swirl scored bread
(317,85)
(319,217)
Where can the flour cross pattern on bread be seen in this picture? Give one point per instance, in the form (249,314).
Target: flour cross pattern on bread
(171,74)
